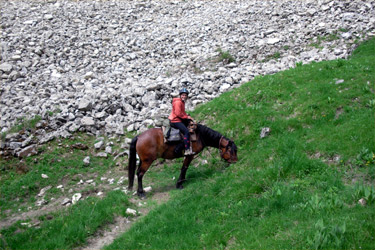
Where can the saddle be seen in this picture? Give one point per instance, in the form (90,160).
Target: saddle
(174,135)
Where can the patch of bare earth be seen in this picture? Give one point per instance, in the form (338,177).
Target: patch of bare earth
(107,235)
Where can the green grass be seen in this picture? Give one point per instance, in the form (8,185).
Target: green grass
(297,188)
(59,161)
(68,228)
(225,56)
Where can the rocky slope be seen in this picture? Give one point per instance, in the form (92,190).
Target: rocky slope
(112,66)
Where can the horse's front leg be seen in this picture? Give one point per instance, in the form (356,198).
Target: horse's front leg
(184,168)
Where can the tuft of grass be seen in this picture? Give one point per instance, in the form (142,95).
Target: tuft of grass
(225,56)
(25,124)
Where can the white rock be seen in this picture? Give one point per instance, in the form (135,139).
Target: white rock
(121,180)
(86,160)
(130,211)
(41,202)
(102,155)
(273,40)
(76,197)
(362,202)
(66,201)
(340,81)
(48,16)
(99,145)
(265,132)
(44,190)
(44,176)
(6,67)
(87,121)
(108,149)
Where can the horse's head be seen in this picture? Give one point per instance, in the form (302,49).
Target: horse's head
(228,150)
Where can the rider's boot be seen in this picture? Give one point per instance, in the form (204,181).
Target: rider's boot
(189,151)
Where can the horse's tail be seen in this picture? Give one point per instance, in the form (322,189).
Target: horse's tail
(132,162)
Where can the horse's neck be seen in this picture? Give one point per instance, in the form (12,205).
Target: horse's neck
(210,138)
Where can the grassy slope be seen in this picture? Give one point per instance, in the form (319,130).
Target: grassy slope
(64,228)
(297,188)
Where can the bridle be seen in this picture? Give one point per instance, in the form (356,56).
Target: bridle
(221,152)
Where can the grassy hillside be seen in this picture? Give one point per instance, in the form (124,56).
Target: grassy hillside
(297,188)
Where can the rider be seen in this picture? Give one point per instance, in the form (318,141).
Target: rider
(179,119)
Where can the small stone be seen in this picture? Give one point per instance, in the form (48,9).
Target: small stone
(28,151)
(102,155)
(340,81)
(265,132)
(48,16)
(273,41)
(130,211)
(99,145)
(87,121)
(85,105)
(89,75)
(43,191)
(86,161)
(121,180)
(362,202)
(147,189)
(66,201)
(41,202)
(108,150)
(346,35)
(44,176)
(76,197)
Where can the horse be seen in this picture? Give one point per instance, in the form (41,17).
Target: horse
(150,145)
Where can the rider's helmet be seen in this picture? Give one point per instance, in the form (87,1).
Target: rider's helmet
(184,90)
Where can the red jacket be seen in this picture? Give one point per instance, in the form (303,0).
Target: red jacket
(178,111)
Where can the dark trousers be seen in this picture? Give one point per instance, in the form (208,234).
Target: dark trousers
(182,127)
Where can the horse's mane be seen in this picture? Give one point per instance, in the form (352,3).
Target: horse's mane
(209,136)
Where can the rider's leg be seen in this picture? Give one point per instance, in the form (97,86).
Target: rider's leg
(180,126)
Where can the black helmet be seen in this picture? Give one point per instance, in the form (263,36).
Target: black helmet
(184,90)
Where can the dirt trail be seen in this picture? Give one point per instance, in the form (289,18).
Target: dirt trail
(32,214)
(121,224)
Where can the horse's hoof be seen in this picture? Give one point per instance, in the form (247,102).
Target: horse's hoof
(179,186)
(141,195)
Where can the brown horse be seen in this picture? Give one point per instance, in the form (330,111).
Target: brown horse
(150,146)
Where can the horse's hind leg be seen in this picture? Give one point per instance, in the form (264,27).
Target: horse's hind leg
(184,169)
(143,166)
